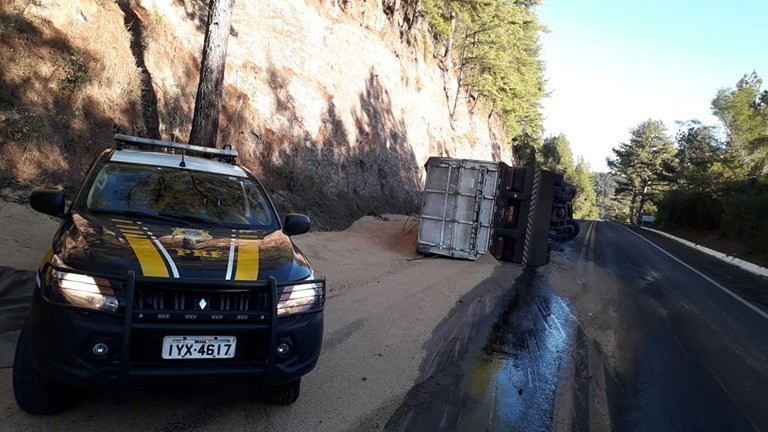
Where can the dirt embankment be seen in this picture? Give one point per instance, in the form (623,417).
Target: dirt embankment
(744,249)
(323,100)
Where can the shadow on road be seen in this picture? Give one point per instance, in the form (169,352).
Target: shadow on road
(505,377)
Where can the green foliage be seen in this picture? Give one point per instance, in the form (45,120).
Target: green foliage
(438,14)
(585,203)
(688,208)
(495,47)
(609,206)
(699,173)
(718,185)
(699,157)
(643,166)
(76,70)
(556,155)
(744,112)
(745,206)
(525,150)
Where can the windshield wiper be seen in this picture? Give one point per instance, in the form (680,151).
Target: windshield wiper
(186,220)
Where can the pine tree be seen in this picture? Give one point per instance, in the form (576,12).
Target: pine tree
(744,112)
(643,165)
(556,156)
(585,203)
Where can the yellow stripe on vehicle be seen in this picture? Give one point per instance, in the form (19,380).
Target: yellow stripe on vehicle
(46,258)
(151,262)
(247,260)
(128,228)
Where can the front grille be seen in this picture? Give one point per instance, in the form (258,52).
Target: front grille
(161,303)
(159,299)
(252,346)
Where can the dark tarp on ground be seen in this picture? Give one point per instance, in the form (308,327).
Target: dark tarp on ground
(16,288)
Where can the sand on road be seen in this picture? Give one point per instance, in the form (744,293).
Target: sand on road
(387,313)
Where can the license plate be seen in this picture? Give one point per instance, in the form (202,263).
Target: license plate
(199,347)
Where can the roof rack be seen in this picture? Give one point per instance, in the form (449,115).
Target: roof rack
(226,153)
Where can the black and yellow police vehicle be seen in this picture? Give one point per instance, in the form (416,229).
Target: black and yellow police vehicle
(170,269)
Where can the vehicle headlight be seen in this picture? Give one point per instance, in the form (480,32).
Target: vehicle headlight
(81,290)
(301,297)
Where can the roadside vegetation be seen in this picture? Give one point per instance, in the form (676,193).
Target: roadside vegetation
(705,179)
(556,155)
(492,47)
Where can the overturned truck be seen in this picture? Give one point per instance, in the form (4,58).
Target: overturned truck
(474,207)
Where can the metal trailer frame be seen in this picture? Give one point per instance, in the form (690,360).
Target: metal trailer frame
(448,228)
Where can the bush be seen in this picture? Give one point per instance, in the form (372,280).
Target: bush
(745,210)
(695,209)
(76,70)
(739,210)
(24,124)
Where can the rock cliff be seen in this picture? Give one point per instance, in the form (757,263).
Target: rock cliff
(325,101)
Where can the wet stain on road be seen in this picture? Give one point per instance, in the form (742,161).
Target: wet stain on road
(510,378)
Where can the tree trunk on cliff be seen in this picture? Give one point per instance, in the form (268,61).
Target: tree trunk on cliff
(205,120)
(396,13)
(460,76)
(449,44)
(414,16)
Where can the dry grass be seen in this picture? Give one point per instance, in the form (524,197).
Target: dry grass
(68,80)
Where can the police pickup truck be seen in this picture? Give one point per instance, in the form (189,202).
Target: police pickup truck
(170,269)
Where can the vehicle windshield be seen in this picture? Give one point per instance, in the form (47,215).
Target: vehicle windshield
(183,194)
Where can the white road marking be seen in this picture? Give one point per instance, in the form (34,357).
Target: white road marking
(759,311)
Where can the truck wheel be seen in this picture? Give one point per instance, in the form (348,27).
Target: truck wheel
(575,228)
(35,393)
(284,394)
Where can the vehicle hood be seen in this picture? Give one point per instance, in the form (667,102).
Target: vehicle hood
(113,245)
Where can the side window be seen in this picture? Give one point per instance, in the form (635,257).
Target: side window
(95,195)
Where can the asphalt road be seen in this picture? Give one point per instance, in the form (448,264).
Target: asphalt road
(613,335)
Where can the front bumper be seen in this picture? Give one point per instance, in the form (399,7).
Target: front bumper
(62,338)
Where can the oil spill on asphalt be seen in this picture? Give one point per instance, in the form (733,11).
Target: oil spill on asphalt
(508,380)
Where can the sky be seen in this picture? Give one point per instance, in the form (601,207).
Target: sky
(613,64)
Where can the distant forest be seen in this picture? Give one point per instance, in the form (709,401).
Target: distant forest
(705,177)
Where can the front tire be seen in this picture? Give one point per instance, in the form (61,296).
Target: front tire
(284,394)
(575,228)
(35,393)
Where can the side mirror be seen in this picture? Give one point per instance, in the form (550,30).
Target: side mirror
(296,224)
(48,201)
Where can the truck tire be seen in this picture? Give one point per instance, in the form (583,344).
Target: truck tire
(35,393)
(575,228)
(284,394)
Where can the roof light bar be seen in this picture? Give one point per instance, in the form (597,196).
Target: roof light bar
(227,152)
